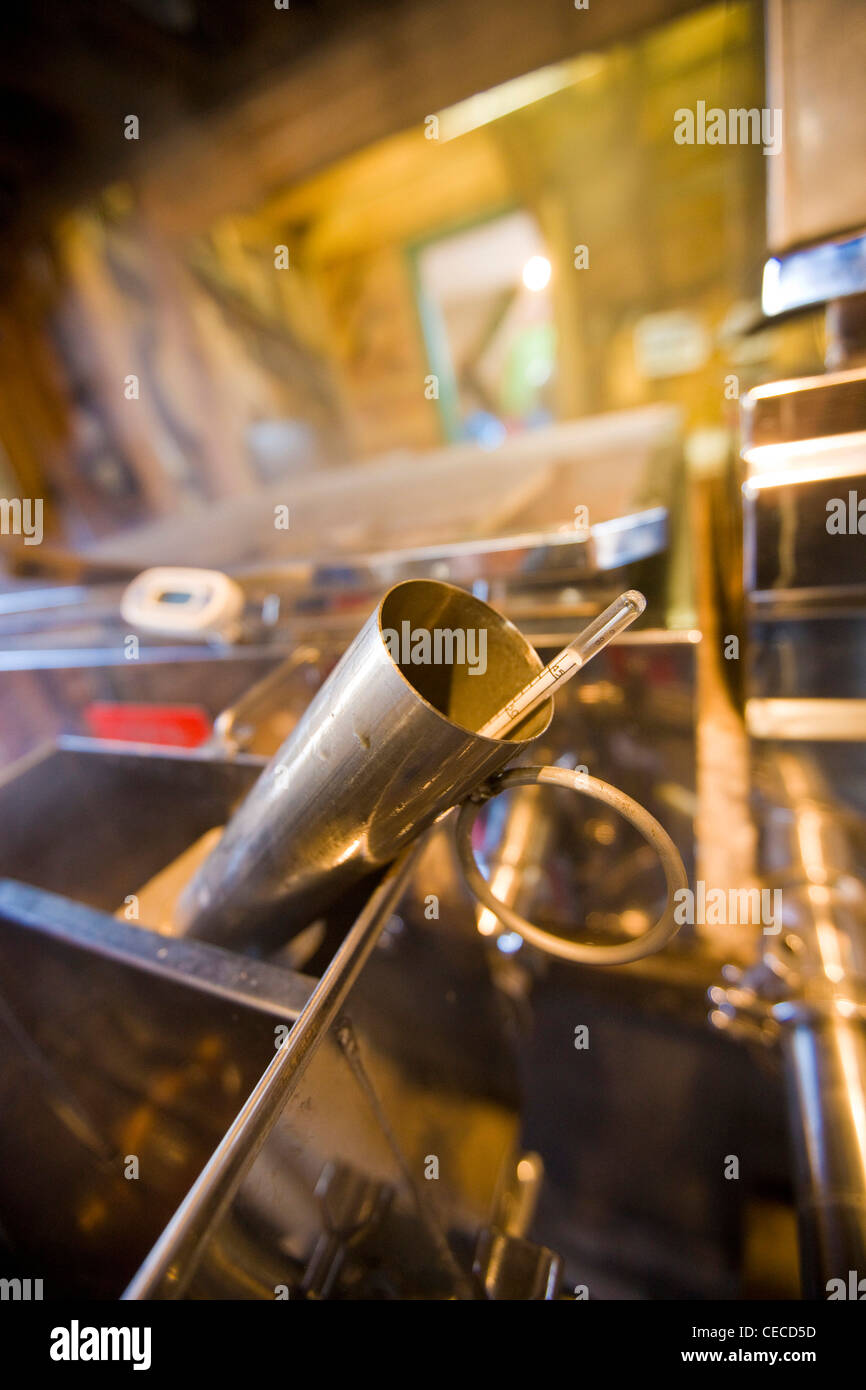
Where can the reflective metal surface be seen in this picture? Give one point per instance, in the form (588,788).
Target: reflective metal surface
(825,1056)
(809,995)
(380,753)
(121,1045)
(174,1259)
(814,276)
(805,608)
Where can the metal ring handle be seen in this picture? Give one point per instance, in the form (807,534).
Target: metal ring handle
(621,954)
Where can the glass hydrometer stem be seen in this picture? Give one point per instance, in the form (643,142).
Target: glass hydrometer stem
(609,624)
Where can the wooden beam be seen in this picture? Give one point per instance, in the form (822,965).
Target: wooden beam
(377,76)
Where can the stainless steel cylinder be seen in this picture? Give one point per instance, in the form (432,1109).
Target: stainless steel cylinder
(387,744)
(808,847)
(825,1069)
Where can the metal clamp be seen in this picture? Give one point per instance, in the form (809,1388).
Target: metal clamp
(656,836)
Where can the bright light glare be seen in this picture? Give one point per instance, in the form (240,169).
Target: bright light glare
(509,942)
(511,96)
(536,273)
(487,923)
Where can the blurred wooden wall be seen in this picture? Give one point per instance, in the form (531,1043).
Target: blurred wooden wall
(166,276)
(172,275)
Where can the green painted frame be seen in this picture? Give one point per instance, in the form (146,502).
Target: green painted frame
(430,323)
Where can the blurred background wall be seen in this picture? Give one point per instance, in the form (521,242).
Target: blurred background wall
(230,270)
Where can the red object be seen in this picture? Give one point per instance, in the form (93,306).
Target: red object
(180,726)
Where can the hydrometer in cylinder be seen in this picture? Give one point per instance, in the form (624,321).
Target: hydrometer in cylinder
(615,619)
